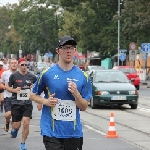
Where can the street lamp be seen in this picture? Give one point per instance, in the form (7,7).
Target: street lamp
(118,30)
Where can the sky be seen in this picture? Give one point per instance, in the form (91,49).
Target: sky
(4,2)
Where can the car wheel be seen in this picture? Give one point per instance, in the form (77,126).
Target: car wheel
(137,87)
(93,106)
(133,106)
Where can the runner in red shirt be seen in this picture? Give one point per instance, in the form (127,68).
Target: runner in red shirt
(1,89)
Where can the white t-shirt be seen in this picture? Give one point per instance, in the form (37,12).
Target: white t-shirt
(5,79)
(6,66)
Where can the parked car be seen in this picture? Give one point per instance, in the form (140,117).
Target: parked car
(40,66)
(112,87)
(130,73)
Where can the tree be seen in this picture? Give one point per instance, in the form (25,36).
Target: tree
(136,21)
(8,36)
(37,23)
(91,22)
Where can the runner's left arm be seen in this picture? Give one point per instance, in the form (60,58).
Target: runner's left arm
(82,97)
(2,81)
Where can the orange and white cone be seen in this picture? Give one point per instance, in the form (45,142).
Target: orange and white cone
(111,130)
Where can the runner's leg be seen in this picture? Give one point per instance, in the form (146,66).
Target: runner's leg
(16,112)
(7,108)
(2,99)
(27,114)
(25,130)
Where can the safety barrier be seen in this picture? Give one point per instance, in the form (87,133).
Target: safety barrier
(142,74)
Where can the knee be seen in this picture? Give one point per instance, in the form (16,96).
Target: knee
(16,125)
(8,114)
(26,124)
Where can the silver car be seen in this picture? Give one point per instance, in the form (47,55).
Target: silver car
(40,66)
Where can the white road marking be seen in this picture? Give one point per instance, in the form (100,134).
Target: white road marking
(143,109)
(98,131)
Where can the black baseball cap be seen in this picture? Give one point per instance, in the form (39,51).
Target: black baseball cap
(64,40)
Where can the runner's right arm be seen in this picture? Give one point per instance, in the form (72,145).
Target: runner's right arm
(10,88)
(38,88)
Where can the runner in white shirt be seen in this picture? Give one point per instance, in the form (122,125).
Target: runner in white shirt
(8,95)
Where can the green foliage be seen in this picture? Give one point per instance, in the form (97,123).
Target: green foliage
(8,37)
(93,23)
(37,23)
(136,22)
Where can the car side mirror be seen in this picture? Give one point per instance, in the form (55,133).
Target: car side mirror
(132,80)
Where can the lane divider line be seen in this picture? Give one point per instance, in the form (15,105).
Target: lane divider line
(95,130)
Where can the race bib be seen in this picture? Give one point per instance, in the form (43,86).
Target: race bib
(23,95)
(64,110)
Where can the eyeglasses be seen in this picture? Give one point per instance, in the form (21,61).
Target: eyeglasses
(67,47)
(23,64)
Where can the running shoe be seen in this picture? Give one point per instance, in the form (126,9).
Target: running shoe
(23,146)
(14,133)
(6,128)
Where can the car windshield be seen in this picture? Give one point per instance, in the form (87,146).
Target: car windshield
(107,76)
(95,67)
(127,70)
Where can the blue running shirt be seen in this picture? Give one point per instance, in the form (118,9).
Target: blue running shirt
(54,80)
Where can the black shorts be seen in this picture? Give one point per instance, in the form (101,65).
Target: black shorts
(1,90)
(81,143)
(61,143)
(20,111)
(7,104)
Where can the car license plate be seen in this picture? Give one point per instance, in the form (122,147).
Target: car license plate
(118,97)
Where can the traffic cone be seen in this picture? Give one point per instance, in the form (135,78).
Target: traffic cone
(111,130)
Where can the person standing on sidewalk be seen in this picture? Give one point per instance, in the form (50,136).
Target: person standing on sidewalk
(70,91)
(7,95)
(19,85)
(5,64)
(2,69)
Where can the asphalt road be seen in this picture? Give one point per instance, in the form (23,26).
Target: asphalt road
(132,127)
(94,138)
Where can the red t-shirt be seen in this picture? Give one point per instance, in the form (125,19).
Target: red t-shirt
(1,71)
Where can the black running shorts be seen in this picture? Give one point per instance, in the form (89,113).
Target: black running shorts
(61,143)
(20,111)
(7,104)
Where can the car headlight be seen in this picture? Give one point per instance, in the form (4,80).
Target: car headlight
(131,92)
(104,93)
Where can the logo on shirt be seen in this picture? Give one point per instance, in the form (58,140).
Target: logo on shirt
(28,81)
(68,79)
(26,87)
(56,77)
(18,80)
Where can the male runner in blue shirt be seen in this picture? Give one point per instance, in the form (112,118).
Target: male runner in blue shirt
(67,91)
